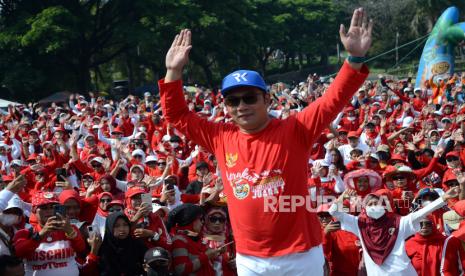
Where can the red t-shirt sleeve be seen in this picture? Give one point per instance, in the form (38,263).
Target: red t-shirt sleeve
(318,115)
(177,113)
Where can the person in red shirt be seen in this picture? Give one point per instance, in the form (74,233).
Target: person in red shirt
(262,158)
(425,249)
(342,249)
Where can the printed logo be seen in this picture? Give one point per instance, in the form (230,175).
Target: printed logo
(231,159)
(241,188)
(240,77)
(392,230)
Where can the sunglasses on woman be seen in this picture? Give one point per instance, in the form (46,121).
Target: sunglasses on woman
(234,101)
(398,177)
(103,200)
(214,219)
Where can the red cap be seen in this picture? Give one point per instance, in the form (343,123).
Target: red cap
(352,134)
(342,129)
(42,198)
(117,130)
(323,208)
(453,153)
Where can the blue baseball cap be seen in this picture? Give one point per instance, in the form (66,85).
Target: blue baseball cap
(241,78)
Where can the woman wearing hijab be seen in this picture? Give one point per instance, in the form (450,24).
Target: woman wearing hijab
(216,234)
(102,212)
(383,234)
(341,248)
(120,254)
(364,181)
(190,255)
(78,209)
(425,248)
(150,227)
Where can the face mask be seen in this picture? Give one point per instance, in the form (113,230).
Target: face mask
(424,203)
(174,145)
(9,219)
(351,118)
(375,212)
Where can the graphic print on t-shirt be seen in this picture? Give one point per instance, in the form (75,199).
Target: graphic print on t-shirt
(264,184)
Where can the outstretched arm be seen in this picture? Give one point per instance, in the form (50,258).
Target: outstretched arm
(320,113)
(172,99)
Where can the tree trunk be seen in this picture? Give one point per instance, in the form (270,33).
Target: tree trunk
(301,61)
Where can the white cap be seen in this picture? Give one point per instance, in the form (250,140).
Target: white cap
(375,156)
(439,113)
(151,158)
(138,152)
(34,130)
(147,94)
(108,106)
(166,138)
(156,207)
(16,162)
(407,122)
(322,163)
(137,166)
(3,145)
(294,92)
(97,159)
(14,202)
(407,89)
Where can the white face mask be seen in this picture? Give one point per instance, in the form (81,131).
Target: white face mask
(424,203)
(174,145)
(9,219)
(351,118)
(375,212)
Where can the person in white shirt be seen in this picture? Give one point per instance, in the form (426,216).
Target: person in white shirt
(382,234)
(354,143)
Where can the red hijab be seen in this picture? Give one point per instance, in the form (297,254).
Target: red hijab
(429,250)
(100,211)
(379,235)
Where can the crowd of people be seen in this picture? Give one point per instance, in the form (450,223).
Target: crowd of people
(101,159)
(96,186)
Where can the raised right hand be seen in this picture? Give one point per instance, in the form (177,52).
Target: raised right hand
(178,55)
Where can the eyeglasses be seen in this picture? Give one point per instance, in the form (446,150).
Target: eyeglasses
(161,163)
(115,210)
(103,200)
(96,165)
(214,219)
(398,177)
(452,183)
(233,101)
(451,159)
(138,156)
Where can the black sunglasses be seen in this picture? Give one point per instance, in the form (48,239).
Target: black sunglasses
(233,101)
(96,165)
(161,163)
(398,177)
(105,200)
(214,219)
(452,183)
(453,158)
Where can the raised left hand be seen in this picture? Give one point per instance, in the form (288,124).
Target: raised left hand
(357,40)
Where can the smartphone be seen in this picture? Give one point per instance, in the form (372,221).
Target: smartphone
(90,229)
(59,209)
(146,198)
(169,186)
(60,173)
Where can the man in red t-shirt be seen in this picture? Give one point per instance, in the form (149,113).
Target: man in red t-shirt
(262,159)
